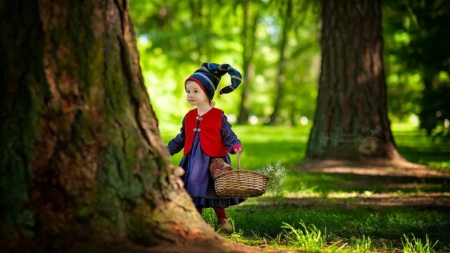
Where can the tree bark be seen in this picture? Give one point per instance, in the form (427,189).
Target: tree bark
(81,158)
(351,119)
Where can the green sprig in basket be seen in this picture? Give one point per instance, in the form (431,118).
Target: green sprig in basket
(240,183)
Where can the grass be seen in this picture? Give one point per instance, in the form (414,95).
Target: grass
(330,228)
(333,225)
(264,145)
(327,229)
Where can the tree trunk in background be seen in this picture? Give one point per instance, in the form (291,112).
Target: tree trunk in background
(197,21)
(250,23)
(287,19)
(351,119)
(81,159)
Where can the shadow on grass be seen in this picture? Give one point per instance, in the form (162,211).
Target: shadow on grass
(325,183)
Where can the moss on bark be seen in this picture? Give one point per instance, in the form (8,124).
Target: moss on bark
(81,157)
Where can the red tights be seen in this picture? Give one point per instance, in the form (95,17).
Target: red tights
(220,212)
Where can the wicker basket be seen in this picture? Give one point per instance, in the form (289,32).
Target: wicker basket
(240,183)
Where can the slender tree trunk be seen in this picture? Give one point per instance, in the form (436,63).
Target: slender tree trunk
(287,17)
(196,17)
(250,23)
(81,158)
(351,116)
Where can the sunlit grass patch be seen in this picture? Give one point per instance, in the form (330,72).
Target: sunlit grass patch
(308,238)
(411,244)
(266,145)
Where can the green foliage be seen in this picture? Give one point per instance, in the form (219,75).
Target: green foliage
(417,61)
(175,37)
(415,245)
(308,239)
(435,112)
(276,174)
(425,27)
(363,244)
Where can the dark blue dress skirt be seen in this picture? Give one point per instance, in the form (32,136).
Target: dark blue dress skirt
(198,181)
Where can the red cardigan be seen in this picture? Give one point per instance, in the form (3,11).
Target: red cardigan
(209,131)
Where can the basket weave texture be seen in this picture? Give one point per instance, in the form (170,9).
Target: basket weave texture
(240,184)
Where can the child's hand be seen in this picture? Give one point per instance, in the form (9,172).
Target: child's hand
(238,149)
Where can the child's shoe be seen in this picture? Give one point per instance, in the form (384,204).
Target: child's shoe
(224,226)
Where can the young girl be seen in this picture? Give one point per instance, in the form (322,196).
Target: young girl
(206,134)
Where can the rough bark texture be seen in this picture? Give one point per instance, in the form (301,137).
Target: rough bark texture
(351,116)
(81,159)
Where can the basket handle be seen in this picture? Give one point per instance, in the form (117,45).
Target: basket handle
(238,159)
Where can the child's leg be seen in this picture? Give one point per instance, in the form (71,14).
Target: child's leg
(220,213)
(222,222)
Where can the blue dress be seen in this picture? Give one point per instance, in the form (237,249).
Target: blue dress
(197,179)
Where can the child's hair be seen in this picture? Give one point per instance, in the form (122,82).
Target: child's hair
(209,75)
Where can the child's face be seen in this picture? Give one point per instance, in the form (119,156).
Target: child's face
(195,94)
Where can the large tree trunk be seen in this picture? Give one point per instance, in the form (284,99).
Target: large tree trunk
(351,116)
(81,159)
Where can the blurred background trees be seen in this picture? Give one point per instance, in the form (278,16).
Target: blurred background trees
(275,44)
(418,56)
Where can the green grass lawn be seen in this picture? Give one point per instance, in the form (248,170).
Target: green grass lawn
(416,147)
(265,145)
(333,226)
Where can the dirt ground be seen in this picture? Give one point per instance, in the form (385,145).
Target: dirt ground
(397,168)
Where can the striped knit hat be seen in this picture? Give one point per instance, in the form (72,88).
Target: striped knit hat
(209,75)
